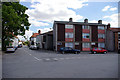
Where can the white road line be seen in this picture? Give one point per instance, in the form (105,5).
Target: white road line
(47,59)
(55,59)
(34,57)
(37,58)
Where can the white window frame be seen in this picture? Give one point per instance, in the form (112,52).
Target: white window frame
(69,26)
(86,45)
(84,27)
(99,45)
(101,27)
(99,36)
(68,45)
(84,34)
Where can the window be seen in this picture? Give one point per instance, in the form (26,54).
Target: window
(68,35)
(119,45)
(101,27)
(101,36)
(102,45)
(69,26)
(86,35)
(86,45)
(69,45)
(118,35)
(99,49)
(85,27)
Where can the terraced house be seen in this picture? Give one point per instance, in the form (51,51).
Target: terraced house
(79,35)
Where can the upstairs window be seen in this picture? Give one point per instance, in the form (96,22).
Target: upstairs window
(68,35)
(86,35)
(85,27)
(101,36)
(69,26)
(101,27)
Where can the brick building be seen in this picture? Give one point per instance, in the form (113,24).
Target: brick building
(79,35)
(113,39)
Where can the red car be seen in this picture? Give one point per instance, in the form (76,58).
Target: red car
(98,50)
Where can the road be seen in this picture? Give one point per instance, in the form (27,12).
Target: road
(26,63)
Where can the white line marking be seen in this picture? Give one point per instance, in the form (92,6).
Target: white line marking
(37,58)
(47,59)
(55,58)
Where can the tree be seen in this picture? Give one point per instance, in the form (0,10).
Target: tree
(14,21)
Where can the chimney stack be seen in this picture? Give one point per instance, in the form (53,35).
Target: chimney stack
(70,20)
(100,22)
(39,31)
(86,21)
(108,26)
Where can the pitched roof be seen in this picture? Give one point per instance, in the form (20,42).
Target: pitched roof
(35,34)
(49,32)
(115,29)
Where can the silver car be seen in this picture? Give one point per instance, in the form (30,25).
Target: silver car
(33,47)
(10,49)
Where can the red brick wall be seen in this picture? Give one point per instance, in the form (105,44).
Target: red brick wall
(101,40)
(101,31)
(69,39)
(68,30)
(85,39)
(85,49)
(116,41)
(86,31)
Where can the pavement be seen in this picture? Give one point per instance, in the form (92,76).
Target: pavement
(26,63)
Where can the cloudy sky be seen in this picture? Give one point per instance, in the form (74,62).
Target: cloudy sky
(42,13)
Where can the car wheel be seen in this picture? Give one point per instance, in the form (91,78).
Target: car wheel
(63,52)
(94,52)
(105,52)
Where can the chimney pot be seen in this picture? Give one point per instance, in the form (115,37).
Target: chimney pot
(108,26)
(86,21)
(100,22)
(39,31)
(70,19)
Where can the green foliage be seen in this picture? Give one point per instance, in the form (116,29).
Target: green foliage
(14,20)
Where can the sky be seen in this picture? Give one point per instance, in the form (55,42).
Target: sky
(43,13)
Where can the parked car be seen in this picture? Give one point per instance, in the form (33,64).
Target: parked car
(10,49)
(33,47)
(98,50)
(20,45)
(69,50)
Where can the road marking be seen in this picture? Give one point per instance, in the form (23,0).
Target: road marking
(55,59)
(47,59)
(36,58)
